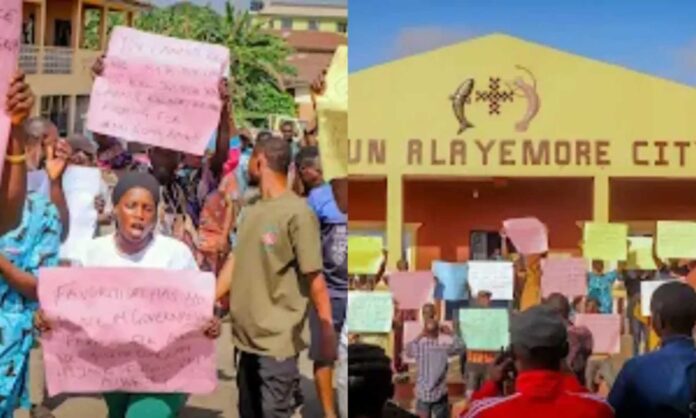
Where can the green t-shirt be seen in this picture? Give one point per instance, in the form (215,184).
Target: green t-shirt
(278,243)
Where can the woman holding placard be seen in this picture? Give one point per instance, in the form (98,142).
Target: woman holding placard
(135,244)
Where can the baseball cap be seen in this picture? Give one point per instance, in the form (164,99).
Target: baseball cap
(538,327)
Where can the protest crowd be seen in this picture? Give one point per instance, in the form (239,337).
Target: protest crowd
(606,332)
(123,259)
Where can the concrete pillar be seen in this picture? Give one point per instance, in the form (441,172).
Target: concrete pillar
(600,206)
(103,27)
(77,25)
(395,215)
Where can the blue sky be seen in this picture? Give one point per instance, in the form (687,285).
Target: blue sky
(655,37)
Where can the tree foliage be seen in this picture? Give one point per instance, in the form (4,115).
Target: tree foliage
(258,58)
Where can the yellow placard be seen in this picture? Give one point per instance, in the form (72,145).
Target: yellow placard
(640,254)
(605,241)
(332,112)
(676,240)
(364,254)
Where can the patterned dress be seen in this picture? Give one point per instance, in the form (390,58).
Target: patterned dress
(599,287)
(34,244)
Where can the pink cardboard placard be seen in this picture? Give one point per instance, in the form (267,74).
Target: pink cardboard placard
(10,22)
(133,330)
(159,91)
(412,290)
(527,234)
(567,276)
(605,329)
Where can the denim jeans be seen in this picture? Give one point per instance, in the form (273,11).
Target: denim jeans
(438,409)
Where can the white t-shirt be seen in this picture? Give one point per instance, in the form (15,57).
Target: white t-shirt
(162,253)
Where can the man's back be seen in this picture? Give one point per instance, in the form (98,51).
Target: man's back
(658,384)
(269,296)
(541,394)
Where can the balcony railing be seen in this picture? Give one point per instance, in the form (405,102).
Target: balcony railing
(34,60)
(29,59)
(57,60)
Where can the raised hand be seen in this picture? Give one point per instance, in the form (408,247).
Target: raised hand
(57,159)
(98,67)
(20,99)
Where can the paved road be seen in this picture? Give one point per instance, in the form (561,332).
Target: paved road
(220,404)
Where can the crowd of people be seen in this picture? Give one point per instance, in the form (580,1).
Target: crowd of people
(550,367)
(254,210)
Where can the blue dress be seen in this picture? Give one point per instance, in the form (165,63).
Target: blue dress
(34,244)
(599,287)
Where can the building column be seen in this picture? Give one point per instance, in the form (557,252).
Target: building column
(77,25)
(103,27)
(395,215)
(41,25)
(600,205)
(72,114)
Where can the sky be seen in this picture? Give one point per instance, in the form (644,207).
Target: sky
(654,37)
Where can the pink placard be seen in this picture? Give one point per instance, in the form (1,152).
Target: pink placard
(567,276)
(10,23)
(159,91)
(528,235)
(605,329)
(412,329)
(132,330)
(412,290)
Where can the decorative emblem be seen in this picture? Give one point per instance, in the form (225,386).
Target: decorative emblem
(495,97)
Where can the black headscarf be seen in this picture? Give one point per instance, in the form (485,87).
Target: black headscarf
(134,179)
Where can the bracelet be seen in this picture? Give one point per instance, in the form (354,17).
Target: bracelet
(16,159)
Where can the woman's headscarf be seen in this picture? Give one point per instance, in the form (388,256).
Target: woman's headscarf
(135,179)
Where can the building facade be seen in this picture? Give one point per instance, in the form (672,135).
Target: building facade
(302,15)
(446,145)
(61,39)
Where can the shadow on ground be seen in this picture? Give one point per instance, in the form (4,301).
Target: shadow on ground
(195,412)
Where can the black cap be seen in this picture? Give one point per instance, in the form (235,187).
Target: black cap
(538,327)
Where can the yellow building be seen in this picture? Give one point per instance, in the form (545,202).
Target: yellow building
(446,145)
(302,15)
(57,56)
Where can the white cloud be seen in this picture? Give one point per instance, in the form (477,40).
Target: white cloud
(418,39)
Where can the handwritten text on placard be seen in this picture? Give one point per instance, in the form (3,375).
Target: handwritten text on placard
(127,330)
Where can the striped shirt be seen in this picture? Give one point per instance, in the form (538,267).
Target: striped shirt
(431,355)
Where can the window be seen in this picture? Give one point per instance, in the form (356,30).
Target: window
(286,23)
(81,107)
(62,33)
(57,110)
(342,27)
(313,25)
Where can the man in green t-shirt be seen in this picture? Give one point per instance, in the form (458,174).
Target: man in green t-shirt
(277,272)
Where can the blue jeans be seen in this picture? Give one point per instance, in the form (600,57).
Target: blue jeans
(438,409)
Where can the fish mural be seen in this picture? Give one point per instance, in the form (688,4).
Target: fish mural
(529,91)
(459,99)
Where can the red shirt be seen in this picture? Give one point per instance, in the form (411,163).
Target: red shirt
(540,394)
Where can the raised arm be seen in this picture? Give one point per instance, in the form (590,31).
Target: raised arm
(225,127)
(13,189)
(56,161)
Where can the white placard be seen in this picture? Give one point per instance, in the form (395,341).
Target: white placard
(493,276)
(81,186)
(647,288)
